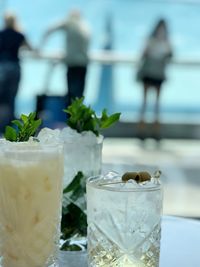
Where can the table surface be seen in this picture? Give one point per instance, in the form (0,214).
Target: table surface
(180,243)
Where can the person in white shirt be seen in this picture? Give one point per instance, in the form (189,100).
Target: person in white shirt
(77,34)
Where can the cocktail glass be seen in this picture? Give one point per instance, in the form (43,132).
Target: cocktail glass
(124,222)
(30,203)
(82,153)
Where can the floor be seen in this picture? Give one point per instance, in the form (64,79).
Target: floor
(179,161)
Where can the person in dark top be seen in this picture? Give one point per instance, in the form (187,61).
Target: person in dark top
(152,72)
(11,40)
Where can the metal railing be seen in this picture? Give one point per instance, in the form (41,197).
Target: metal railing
(107,57)
(123,128)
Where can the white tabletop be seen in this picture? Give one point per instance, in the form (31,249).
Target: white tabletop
(180,243)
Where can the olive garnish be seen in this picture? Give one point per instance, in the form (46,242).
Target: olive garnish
(139,177)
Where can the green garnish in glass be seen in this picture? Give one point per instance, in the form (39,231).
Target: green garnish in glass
(23,128)
(83,118)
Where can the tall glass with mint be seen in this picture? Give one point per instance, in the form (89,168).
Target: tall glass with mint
(82,158)
(124,220)
(82,139)
(31,173)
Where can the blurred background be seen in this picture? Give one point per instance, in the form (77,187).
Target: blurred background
(130,28)
(119,30)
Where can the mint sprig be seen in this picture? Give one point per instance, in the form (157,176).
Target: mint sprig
(83,118)
(23,128)
(74,221)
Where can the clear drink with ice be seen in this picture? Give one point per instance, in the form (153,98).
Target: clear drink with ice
(30,203)
(82,152)
(124,222)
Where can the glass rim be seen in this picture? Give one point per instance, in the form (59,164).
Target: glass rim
(93,182)
(71,142)
(83,141)
(25,145)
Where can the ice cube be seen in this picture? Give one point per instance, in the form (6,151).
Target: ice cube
(69,134)
(155,181)
(87,137)
(49,136)
(132,184)
(90,138)
(111,175)
(114,179)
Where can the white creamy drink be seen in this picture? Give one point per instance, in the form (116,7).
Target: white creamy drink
(30,203)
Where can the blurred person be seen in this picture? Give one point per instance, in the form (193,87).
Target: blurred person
(11,40)
(77,34)
(151,72)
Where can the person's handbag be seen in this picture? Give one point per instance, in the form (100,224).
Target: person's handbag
(143,68)
(50,107)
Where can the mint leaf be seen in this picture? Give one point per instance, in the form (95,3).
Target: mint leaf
(74,220)
(18,124)
(24,118)
(106,121)
(10,134)
(76,183)
(83,118)
(67,246)
(23,128)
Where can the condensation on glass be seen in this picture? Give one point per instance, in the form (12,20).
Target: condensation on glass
(124,223)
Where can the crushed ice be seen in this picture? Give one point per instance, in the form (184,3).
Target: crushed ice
(49,136)
(70,135)
(114,179)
